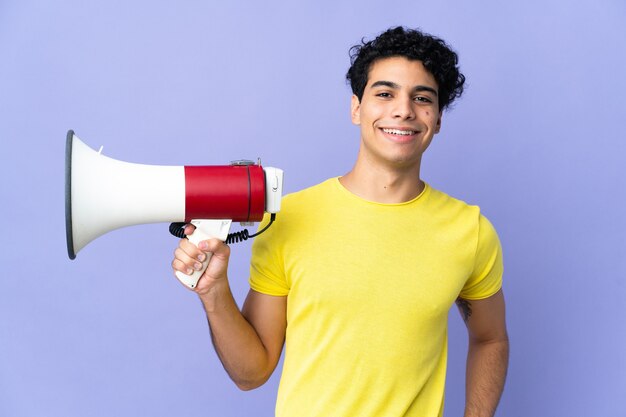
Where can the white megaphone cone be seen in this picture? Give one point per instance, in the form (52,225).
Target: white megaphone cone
(103,194)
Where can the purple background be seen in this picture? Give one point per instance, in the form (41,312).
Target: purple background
(537,141)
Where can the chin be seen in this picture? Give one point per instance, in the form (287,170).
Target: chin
(404,163)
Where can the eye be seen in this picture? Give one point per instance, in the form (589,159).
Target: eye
(383,94)
(423,99)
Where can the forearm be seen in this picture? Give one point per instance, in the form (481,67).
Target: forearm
(487,364)
(237,344)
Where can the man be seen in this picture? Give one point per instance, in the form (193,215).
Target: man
(357,276)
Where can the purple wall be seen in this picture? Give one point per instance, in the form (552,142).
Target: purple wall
(537,141)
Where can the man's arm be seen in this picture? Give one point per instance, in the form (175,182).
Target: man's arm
(249,344)
(488,353)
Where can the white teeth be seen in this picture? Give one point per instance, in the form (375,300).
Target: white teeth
(399,132)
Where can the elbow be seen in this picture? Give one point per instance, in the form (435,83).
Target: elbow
(247,386)
(253,374)
(500,342)
(250,384)
(499,337)
(250,380)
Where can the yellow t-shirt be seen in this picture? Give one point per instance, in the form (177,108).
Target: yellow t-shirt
(369,288)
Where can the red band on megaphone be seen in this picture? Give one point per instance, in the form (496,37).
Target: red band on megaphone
(225,192)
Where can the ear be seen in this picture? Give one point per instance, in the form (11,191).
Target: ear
(355,110)
(438,125)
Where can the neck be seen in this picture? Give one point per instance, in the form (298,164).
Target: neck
(384,184)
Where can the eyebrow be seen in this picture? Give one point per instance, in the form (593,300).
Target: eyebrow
(417,88)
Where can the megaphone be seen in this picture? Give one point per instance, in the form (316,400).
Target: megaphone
(103,194)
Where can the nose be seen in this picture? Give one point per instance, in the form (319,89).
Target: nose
(404,109)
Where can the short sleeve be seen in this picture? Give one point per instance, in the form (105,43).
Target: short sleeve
(486,277)
(267,274)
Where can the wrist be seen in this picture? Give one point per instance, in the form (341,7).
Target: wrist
(213,297)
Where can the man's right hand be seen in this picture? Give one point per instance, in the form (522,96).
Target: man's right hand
(189,257)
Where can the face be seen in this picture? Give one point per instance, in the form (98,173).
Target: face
(399,112)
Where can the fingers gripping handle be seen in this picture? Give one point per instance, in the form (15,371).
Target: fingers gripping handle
(205,229)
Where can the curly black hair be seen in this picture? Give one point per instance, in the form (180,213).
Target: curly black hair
(436,56)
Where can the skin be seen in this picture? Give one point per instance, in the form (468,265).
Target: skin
(400,95)
(488,353)
(248,342)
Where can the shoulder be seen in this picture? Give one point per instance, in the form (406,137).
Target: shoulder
(448,206)
(309,197)
(470,218)
(453,211)
(301,208)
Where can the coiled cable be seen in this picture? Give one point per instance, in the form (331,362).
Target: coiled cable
(178,229)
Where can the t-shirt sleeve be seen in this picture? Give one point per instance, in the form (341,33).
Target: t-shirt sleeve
(486,277)
(267,273)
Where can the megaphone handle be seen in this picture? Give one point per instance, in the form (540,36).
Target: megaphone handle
(205,229)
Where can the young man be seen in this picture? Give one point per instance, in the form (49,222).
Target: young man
(359,273)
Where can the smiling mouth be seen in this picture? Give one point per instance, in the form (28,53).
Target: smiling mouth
(399,132)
